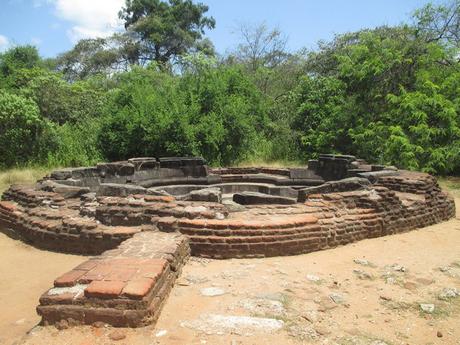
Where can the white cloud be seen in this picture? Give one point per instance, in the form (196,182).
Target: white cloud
(4,43)
(90,18)
(36,41)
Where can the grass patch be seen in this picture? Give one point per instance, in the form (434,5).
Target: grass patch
(441,311)
(398,305)
(20,176)
(451,183)
(442,308)
(446,308)
(270,164)
(363,339)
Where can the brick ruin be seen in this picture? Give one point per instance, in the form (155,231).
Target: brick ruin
(141,219)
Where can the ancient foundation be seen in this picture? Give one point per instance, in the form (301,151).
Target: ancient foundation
(141,219)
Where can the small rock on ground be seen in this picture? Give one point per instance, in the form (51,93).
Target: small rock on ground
(427,307)
(212,291)
(363,275)
(448,293)
(398,268)
(337,298)
(363,262)
(313,278)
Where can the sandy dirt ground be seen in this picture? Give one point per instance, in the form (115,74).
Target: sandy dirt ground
(400,289)
(25,273)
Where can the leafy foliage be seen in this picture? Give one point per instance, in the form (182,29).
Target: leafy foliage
(384,96)
(22,130)
(387,94)
(103,56)
(214,113)
(166,29)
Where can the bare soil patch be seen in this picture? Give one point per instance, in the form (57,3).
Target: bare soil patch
(26,273)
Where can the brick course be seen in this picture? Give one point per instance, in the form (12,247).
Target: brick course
(143,240)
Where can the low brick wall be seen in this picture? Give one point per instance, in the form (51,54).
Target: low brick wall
(393,204)
(126,287)
(235,238)
(144,237)
(145,209)
(329,220)
(63,232)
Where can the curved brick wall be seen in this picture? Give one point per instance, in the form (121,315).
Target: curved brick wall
(287,235)
(392,204)
(144,236)
(325,220)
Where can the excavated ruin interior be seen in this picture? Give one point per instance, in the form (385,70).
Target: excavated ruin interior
(141,219)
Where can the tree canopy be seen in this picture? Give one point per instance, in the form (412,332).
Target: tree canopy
(387,94)
(166,29)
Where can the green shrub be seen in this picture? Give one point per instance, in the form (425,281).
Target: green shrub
(75,145)
(216,113)
(23,132)
(146,116)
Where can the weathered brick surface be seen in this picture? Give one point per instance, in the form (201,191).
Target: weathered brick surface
(61,230)
(144,240)
(126,286)
(339,218)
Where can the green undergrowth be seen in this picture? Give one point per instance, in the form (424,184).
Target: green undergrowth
(21,176)
(452,184)
(270,164)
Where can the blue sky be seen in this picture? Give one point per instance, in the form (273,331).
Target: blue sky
(54,26)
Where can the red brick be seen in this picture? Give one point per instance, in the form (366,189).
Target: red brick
(65,298)
(235,224)
(121,274)
(104,289)
(193,223)
(87,265)
(159,198)
(97,273)
(127,262)
(8,206)
(152,269)
(69,279)
(138,288)
(155,262)
(167,221)
(122,230)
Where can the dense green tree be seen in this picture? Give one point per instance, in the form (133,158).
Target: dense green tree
(321,116)
(103,56)
(18,57)
(439,22)
(23,132)
(230,113)
(57,100)
(214,112)
(394,107)
(145,117)
(166,29)
(387,94)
